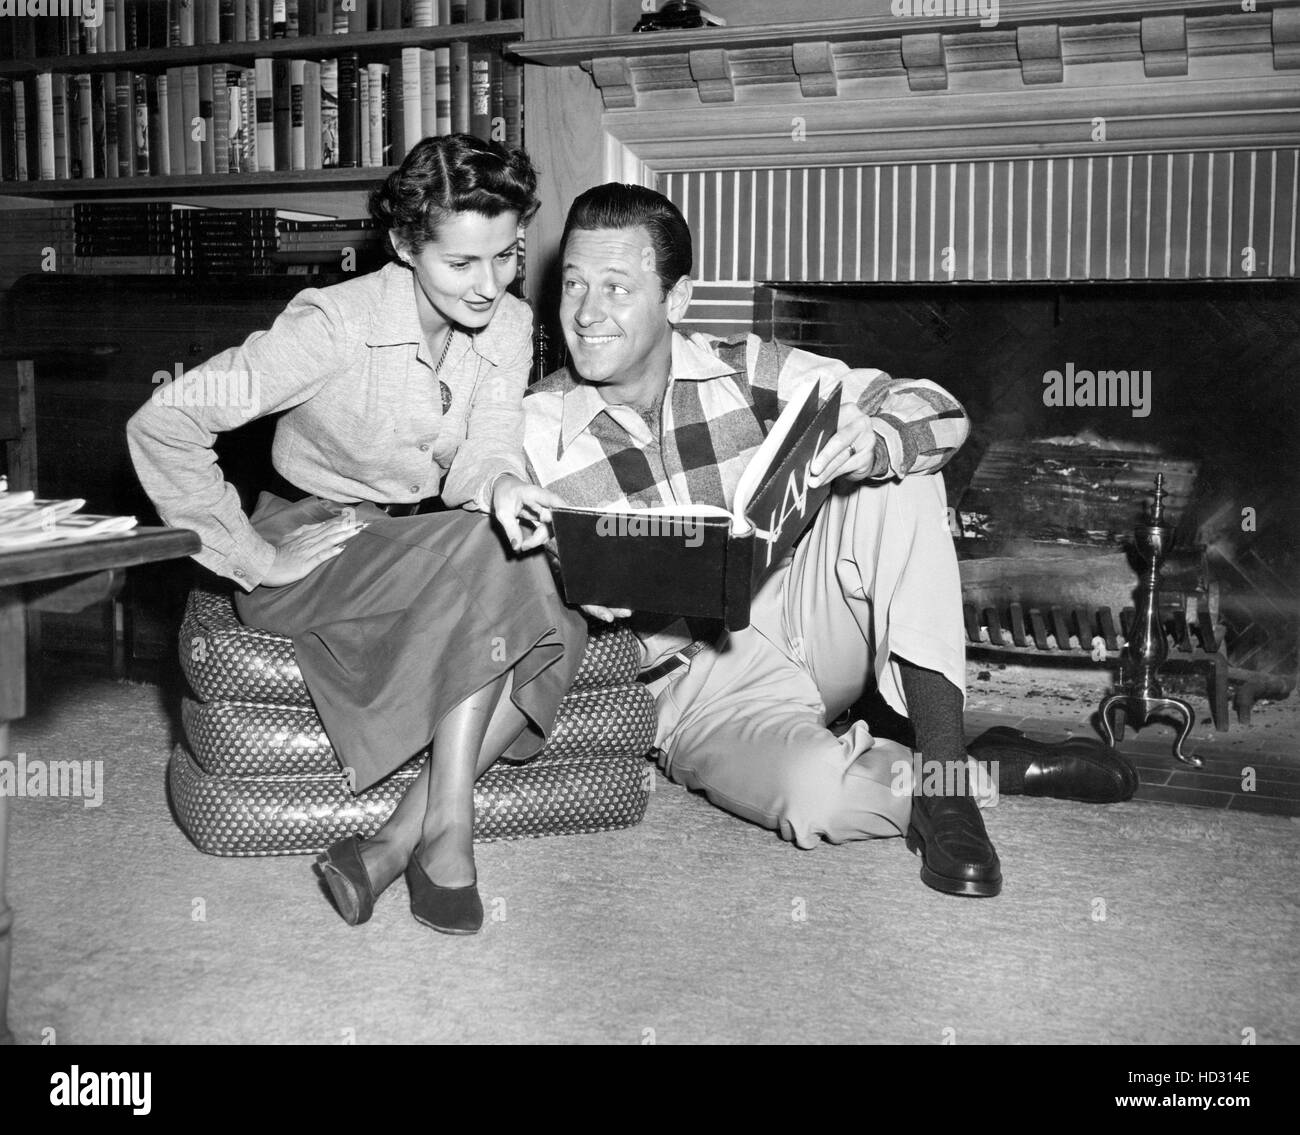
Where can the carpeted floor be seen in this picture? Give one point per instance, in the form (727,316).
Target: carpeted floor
(1134,923)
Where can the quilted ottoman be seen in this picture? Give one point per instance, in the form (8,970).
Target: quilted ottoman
(256,774)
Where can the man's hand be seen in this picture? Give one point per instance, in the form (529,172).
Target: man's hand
(851,451)
(605,614)
(513,501)
(308,546)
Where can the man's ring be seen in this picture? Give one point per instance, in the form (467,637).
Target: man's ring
(852,451)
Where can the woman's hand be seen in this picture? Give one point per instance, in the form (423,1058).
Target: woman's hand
(514,500)
(851,451)
(304,549)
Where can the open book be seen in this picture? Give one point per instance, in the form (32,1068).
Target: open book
(29,523)
(701,560)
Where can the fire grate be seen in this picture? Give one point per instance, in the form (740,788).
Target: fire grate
(1081,635)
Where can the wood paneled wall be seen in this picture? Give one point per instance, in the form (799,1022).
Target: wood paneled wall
(1207,215)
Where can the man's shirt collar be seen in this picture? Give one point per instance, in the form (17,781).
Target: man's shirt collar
(691,362)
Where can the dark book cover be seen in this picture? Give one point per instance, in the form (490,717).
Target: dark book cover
(349,111)
(141,122)
(158,22)
(8,136)
(24,37)
(124,102)
(282,111)
(459,11)
(136,34)
(702,563)
(98,124)
(72,117)
(157,127)
(208,151)
(47,37)
(384,96)
(85,125)
(513,103)
(109,80)
(460,88)
(344,224)
(226,21)
(34,129)
(496,72)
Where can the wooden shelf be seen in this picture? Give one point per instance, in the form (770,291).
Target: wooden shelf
(370,43)
(191,184)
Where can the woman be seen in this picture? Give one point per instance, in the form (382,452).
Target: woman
(400,392)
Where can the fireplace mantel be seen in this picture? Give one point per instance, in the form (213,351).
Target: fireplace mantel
(1095,77)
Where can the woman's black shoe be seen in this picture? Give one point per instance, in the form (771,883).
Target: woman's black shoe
(449,910)
(1079,768)
(957,856)
(349,884)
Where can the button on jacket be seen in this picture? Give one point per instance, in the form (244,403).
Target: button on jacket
(367,414)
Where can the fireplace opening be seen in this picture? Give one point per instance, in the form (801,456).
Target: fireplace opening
(1078,394)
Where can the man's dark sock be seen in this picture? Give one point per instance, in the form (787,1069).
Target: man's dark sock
(934,705)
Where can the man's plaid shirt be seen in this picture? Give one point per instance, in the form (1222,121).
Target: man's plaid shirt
(723,396)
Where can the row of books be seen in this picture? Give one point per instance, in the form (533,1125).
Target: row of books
(159,238)
(280,114)
(99,26)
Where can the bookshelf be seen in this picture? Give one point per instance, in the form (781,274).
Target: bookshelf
(366,47)
(376,44)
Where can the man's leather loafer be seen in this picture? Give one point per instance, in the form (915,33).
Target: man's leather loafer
(957,856)
(1079,768)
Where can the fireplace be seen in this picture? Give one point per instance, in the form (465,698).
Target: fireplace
(1082,221)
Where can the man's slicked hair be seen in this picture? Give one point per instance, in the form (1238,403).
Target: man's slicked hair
(617,206)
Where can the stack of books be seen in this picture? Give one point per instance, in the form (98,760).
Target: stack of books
(123,237)
(159,238)
(29,523)
(349,245)
(35,240)
(212,242)
(347,108)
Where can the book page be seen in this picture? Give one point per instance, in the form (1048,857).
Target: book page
(771,452)
(623,507)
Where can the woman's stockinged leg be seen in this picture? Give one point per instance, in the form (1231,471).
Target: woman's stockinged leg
(446,850)
(387,852)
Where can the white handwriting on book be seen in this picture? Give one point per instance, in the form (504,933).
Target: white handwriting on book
(794,502)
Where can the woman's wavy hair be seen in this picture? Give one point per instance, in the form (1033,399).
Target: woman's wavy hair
(450,174)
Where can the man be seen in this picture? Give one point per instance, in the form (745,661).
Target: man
(647,417)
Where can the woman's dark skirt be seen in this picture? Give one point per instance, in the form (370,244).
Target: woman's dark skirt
(415,615)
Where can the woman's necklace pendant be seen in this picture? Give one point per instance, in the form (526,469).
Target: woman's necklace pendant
(443,388)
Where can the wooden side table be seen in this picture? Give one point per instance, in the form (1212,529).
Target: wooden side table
(65,578)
